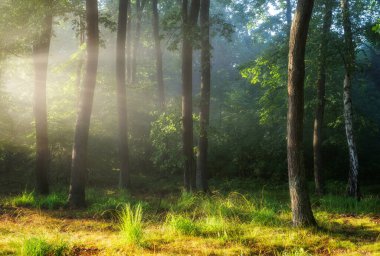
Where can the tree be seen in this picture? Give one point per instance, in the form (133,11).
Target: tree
(189,20)
(40,57)
(78,166)
(201,174)
(300,202)
(121,93)
(157,44)
(140,4)
(349,66)
(320,108)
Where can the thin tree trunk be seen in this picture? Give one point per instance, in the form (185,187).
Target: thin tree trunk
(202,173)
(300,202)
(353,185)
(121,94)
(157,42)
(320,108)
(140,4)
(40,57)
(129,41)
(189,20)
(79,154)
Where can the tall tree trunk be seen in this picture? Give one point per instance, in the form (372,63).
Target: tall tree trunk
(202,173)
(121,94)
(40,57)
(300,202)
(349,59)
(320,108)
(157,42)
(129,41)
(140,4)
(189,20)
(79,155)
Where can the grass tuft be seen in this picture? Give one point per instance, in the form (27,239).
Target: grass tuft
(130,224)
(182,224)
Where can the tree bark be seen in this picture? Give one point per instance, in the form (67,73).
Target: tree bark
(202,173)
(81,57)
(320,108)
(124,180)
(79,154)
(300,202)
(159,68)
(189,20)
(349,58)
(129,41)
(140,4)
(40,57)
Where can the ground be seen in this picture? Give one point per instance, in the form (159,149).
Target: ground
(224,222)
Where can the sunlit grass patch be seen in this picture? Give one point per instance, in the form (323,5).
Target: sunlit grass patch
(130,224)
(37,246)
(26,199)
(182,224)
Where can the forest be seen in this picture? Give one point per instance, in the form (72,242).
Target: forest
(189,127)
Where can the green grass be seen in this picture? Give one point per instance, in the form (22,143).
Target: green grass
(222,222)
(37,246)
(130,224)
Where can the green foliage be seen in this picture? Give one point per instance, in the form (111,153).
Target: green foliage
(130,224)
(347,205)
(166,140)
(182,224)
(37,246)
(55,200)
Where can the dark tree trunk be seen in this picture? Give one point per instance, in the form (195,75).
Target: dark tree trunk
(140,4)
(81,57)
(189,20)
(129,41)
(349,59)
(79,155)
(300,202)
(202,173)
(320,108)
(157,42)
(40,57)
(121,94)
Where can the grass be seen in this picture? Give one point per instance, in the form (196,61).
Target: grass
(37,246)
(234,222)
(130,224)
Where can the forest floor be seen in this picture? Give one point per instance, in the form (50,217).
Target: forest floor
(241,218)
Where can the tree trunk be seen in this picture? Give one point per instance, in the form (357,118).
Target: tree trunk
(349,58)
(320,108)
(81,57)
(189,20)
(300,202)
(202,173)
(157,42)
(129,41)
(79,155)
(121,94)
(140,4)
(40,57)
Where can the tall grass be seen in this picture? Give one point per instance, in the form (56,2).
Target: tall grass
(130,224)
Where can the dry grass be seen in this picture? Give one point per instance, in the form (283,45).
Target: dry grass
(224,225)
